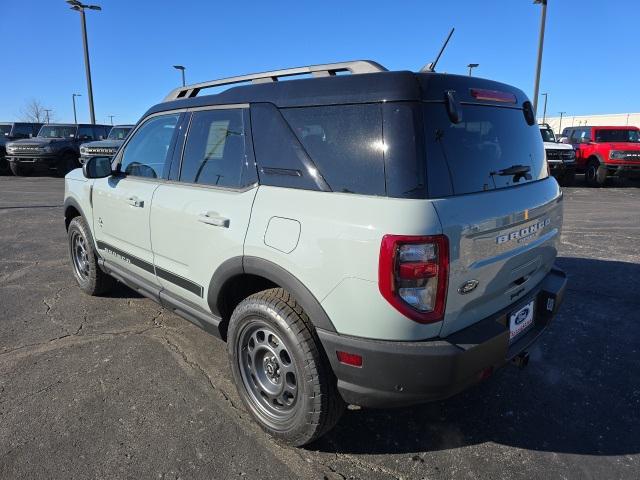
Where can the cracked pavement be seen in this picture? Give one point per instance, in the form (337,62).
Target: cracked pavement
(118,387)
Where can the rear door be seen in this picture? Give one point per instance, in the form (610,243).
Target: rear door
(503,226)
(200,217)
(122,203)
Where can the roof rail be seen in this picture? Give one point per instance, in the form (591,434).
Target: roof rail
(325,70)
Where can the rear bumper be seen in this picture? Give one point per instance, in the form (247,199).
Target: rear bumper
(403,373)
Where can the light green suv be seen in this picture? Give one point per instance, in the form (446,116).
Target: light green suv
(379,238)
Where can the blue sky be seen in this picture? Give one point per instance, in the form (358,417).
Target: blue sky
(591,62)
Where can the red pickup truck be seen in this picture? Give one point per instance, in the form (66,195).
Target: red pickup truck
(605,151)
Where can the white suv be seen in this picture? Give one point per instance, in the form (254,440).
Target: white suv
(380,238)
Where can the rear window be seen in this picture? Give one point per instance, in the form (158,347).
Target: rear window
(477,151)
(618,135)
(345,143)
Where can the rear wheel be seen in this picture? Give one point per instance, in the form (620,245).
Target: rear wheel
(279,368)
(84,261)
(18,170)
(596,174)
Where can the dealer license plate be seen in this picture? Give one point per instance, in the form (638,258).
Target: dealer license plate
(520,321)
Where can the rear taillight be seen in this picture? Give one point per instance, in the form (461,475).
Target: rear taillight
(413,274)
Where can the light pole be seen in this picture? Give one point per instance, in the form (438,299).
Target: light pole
(182,69)
(79,7)
(111,118)
(544,111)
(73,99)
(560,127)
(543,21)
(471,66)
(46,111)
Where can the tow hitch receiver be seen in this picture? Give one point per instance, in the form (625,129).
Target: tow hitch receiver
(521,360)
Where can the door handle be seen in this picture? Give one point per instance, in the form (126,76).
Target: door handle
(212,218)
(135,202)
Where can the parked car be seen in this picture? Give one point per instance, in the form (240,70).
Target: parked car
(14,131)
(561,157)
(341,261)
(603,152)
(56,148)
(105,148)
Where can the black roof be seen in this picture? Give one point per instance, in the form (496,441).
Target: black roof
(76,124)
(345,89)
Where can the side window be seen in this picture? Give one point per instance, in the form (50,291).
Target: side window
(214,153)
(345,142)
(99,133)
(85,133)
(147,151)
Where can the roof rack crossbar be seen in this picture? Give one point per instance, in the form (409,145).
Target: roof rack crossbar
(328,69)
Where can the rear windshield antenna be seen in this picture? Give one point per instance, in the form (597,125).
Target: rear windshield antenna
(431,67)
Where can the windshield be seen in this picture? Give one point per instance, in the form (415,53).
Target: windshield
(118,133)
(57,131)
(5,130)
(491,148)
(547,135)
(618,135)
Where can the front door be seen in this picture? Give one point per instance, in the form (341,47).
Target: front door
(201,220)
(122,202)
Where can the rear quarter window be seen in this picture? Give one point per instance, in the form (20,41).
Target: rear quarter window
(345,143)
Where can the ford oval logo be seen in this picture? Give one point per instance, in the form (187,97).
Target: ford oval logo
(468,286)
(522,316)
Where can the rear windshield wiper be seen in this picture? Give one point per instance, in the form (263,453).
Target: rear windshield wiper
(515,171)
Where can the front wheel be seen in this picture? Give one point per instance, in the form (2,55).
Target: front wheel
(567,179)
(596,174)
(91,279)
(67,163)
(18,170)
(279,368)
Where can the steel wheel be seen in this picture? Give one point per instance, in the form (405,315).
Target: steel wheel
(268,372)
(80,256)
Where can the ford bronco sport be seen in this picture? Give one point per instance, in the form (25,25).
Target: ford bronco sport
(603,152)
(379,239)
(561,157)
(56,148)
(107,147)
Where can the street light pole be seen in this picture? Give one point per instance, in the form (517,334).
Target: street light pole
(111,118)
(80,7)
(544,111)
(73,98)
(46,111)
(471,66)
(560,127)
(182,69)
(543,21)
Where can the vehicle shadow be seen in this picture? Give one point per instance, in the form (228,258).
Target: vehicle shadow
(120,290)
(580,393)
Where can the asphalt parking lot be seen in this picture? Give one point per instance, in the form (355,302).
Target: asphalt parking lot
(118,387)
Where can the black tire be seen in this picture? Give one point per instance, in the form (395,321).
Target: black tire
(18,170)
(84,261)
(262,327)
(596,175)
(567,179)
(67,163)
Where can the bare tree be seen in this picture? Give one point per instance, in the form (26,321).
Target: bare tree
(34,111)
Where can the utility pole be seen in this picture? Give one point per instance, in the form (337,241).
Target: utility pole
(80,7)
(544,111)
(73,98)
(543,21)
(46,111)
(111,118)
(560,127)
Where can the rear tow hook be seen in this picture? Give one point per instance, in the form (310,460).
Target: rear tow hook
(521,360)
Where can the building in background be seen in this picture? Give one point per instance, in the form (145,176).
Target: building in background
(613,119)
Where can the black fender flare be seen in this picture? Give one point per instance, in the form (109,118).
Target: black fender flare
(273,272)
(71,202)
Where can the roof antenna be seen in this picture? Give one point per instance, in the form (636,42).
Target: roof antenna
(431,67)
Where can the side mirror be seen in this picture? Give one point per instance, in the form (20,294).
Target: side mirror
(97,167)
